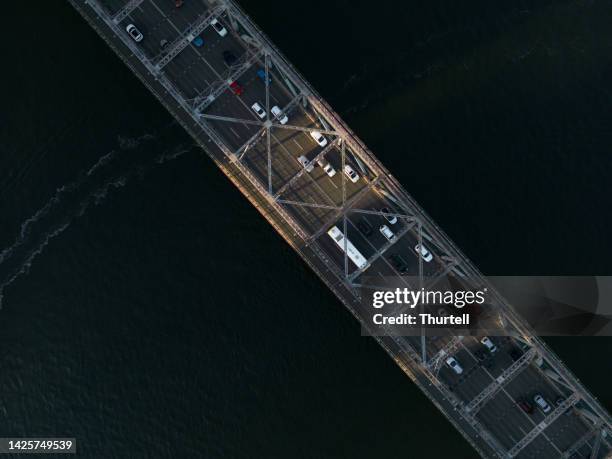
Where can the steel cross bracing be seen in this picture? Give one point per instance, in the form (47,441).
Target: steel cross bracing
(303,170)
(582,441)
(126,10)
(492,389)
(186,38)
(448,349)
(383,181)
(537,430)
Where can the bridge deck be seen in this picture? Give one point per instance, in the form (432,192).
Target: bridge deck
(260,156)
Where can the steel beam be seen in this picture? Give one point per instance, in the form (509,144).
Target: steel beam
(126,10)
(303,171)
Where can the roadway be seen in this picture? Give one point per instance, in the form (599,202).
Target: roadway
(268,152)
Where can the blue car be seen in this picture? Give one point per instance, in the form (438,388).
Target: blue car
(261,73)
(198,41)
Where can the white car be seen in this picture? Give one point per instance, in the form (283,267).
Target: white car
(386,232)
(318,137)
(328,168)
(351,174)
(542,404)
(134,33)
(279,115)
(425,254)
(486,342)
(218,27)
(390,218)
(452,362)
(303,160)
(259,110)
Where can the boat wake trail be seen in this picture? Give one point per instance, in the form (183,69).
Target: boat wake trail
(112,171)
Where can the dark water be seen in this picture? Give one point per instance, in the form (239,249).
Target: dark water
(149,311)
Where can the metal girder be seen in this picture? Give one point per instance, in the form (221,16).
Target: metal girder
(235,72)
(581,442)
(447,269)
(345,208)
(252,141)
(449,348)
(126,10)
(186,38)
(492,389)
(597,445)
(537,430)
(302,171)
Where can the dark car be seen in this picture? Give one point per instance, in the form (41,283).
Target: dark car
(399,263)
(515,353)
(480,354)
(229,58)
(525,406)
(364,226)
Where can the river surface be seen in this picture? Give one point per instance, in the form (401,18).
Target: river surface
(149,311)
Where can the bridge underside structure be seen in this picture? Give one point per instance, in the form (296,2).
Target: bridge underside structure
(283,156)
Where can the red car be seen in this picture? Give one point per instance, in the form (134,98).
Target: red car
(178,3)
(236,88)
(525,406)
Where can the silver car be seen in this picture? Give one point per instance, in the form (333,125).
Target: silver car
(134,33)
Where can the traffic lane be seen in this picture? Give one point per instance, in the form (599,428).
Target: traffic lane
(527,384)
(471,381)
(406,246)
(154,27)
(539,448)
(190,74)
(566,430)
(504,419)
(185,16)
(228,43)
(495,363)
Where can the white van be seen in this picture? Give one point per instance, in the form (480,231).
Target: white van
(303,160)
(328,168)
(279,115)
(318,137)
(386,232)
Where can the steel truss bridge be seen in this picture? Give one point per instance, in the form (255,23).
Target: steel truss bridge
(259,153)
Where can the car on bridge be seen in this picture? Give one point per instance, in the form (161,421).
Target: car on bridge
(328,168)
(390,218)
(279,115)
(236,88)
(424,252)
(303,160)
(134,33)
(452,362)
(318,137)
(222,31)
(386,232)
(258,109)
(229,58)
(261,73)
(542,403)
(351,174)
